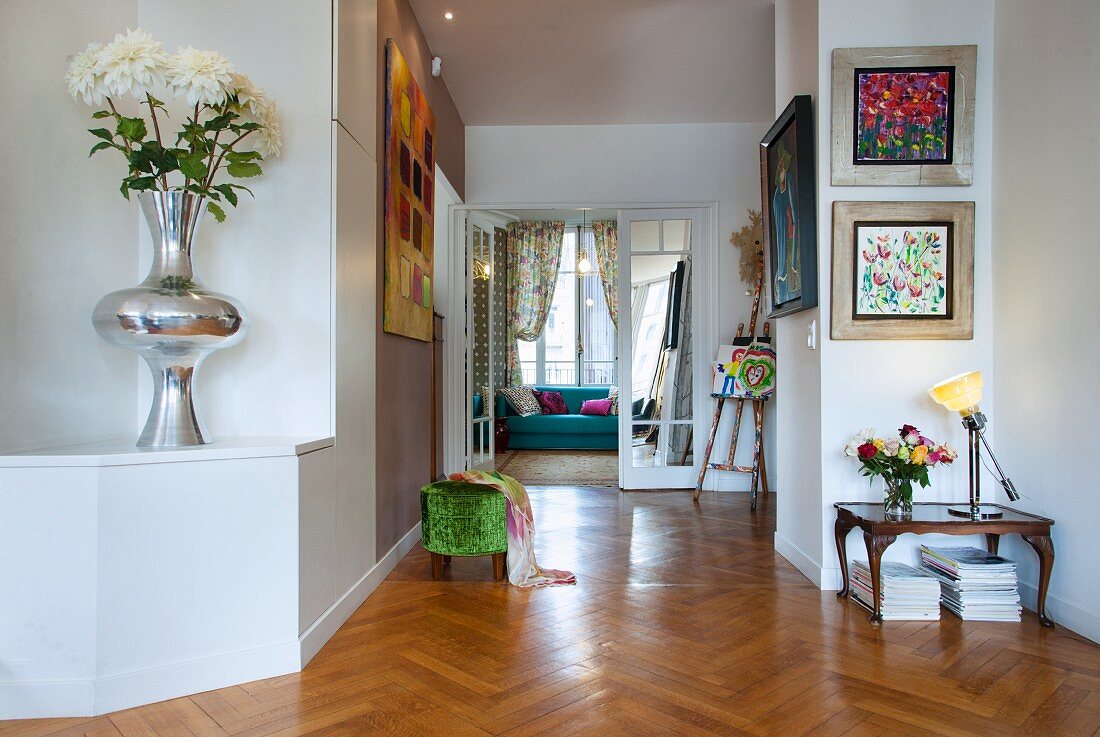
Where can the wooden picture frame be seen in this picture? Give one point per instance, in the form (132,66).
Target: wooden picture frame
(953,162)
(923,251)
(788,192)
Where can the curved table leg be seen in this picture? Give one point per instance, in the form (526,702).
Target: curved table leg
(1044,548)
(991,542)
(841,530)
(876,544)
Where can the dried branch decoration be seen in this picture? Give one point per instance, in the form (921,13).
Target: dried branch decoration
(749,240)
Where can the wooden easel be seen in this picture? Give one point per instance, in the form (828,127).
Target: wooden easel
(757,469)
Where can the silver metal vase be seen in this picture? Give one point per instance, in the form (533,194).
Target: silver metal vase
(171,321)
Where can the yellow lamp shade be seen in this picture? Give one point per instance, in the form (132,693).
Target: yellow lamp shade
(960,393)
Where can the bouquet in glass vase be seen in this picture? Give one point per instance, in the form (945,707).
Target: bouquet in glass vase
(900,462)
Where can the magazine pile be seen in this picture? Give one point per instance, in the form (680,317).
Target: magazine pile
(906,592)
(974,584)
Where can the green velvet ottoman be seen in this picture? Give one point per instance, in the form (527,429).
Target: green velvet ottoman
(459,518)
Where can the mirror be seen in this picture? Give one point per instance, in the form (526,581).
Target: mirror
(661,364)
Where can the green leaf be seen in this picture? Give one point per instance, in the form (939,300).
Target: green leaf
(246,189)
(240,157)
(142,183)
(220,122)
(101,114)
(227,191)
(101,133)
(141,161)
(154,102)
(100,146)
(193,166)
(217,212)
(132,129)
(125,188)
(244,127)
(244,170)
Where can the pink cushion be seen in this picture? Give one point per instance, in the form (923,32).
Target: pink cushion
(552,403)
(601,407)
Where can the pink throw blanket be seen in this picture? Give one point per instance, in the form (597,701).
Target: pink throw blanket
(522,568)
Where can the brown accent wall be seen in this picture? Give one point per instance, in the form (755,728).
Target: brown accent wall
(404,375)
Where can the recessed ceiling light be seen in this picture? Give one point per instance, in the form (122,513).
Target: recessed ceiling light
(449,15)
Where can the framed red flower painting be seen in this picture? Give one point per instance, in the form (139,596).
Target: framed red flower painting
(903,116)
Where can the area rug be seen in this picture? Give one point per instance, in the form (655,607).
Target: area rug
(562,467)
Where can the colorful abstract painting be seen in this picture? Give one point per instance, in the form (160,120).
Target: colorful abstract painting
(409,217)
(904,115)
(902,270)
(745,369)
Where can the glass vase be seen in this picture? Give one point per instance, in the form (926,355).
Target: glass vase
(898,499)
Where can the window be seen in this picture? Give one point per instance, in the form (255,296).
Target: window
(577,346)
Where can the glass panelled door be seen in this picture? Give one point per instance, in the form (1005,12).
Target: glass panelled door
(480,368)
(660,374)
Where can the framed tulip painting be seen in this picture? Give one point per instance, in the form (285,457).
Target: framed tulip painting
(903,116)
(789,210)
(903,270)
(409,184)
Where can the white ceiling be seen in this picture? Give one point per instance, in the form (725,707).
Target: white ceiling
(573,62)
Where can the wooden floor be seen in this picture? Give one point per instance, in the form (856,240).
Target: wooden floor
(684,621)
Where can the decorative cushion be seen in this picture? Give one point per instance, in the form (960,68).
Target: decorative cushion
(613,395)
(522,400)
(600,407)
(552,403)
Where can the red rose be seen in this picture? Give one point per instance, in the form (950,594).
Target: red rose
(867,451)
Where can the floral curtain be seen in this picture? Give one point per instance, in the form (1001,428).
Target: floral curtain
(606,236)
(534,253)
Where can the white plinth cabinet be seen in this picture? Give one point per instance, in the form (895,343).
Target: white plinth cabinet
(130,576)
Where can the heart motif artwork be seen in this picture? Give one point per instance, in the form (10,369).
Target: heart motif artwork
(745,369)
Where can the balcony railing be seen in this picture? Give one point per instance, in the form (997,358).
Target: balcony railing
(564,373)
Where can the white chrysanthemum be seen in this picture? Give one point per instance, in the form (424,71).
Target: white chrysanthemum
(134,63)
(250,98)
(270,137)
(84,77)
(203,75)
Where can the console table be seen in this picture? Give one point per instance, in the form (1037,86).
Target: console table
(879,533)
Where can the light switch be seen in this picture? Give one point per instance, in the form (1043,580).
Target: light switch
(811,335)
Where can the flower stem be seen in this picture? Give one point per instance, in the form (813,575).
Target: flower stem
(156,129)
(218,163)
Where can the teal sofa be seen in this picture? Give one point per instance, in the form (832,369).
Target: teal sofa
(571,431)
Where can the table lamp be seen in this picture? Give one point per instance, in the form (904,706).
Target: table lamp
(962,394)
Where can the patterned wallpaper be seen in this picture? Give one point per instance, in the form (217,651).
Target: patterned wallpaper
(479,364)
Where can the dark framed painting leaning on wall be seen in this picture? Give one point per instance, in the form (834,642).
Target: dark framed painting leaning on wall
(789,209)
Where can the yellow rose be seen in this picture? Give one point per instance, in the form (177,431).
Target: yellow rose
(918,454)
(879,443)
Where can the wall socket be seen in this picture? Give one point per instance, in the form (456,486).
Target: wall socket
(811,335)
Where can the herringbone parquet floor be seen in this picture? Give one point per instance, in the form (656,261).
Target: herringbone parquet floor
(684,622)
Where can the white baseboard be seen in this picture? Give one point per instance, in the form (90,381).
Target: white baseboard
(1064,614)
(43,699)
(111,693)
(324,627)
(825,578)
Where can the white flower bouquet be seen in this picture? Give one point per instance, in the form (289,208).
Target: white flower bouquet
(233,125)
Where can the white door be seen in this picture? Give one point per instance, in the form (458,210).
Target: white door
(662,367)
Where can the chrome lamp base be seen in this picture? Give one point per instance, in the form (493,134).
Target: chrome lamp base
(981,511)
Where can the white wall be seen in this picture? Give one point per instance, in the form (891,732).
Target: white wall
(1045,189)
(883,384)
(798,403)
(542,165)
(878,383)
(66,235)
(273,253)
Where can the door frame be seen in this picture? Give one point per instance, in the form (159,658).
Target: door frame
(705,291)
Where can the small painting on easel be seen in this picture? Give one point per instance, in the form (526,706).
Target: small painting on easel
(745,370)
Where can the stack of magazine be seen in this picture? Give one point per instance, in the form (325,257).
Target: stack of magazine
(906,592)
(974,584)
